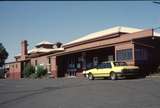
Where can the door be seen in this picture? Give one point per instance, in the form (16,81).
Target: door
(103,70)
(107,69)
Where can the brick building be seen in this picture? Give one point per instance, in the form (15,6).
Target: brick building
(35,56)
(134,46)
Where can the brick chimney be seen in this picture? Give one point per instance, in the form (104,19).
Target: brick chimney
(24,50)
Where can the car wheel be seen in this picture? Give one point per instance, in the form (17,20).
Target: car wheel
(113,76)
(90,76)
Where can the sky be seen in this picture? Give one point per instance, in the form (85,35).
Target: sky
(65,21)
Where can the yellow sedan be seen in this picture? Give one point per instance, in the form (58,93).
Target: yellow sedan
(112,70)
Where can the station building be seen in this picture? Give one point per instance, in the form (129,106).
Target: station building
(138,47)
(36,56)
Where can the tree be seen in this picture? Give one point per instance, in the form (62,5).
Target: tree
(28,70)
(3,55)
(41,71)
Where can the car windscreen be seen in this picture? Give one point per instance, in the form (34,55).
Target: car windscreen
(120,64)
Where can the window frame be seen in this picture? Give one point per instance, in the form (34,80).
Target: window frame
(124,54)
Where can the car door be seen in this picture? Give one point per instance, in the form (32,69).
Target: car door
(107,69)
(101,70)
(97,70)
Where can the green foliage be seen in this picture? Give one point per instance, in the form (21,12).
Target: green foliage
(41,71)
(33,76)
(3,55)
(31,72)
(28,70)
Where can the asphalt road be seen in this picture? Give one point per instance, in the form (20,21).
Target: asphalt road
(80,93)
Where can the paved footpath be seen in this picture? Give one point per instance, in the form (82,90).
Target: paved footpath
(80,93)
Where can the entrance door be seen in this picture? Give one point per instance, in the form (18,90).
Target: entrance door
(71,66)
(71,71)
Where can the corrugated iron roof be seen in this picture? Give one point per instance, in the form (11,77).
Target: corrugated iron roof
(44,43)
(105,32)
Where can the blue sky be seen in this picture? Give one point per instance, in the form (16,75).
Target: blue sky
(65,20)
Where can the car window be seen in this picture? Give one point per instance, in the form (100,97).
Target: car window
(104,65)
(101,65)
(108,65)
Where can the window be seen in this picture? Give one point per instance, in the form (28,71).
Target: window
(95,61)
(71,66)
(49,60)
(110,58)
(78,65)
(125,54)
(35,62)
(89,65)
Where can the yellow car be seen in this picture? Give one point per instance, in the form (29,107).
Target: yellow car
(112,70)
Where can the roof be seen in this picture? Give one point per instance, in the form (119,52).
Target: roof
(156,34)
(41,49)
(44,43)
(106,32)
(44,50)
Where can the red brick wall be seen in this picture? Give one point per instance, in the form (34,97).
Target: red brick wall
(41,60)
(111,41)
(14,71)
(24,50)
(54,67)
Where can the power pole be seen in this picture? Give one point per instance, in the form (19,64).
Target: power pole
(156,2)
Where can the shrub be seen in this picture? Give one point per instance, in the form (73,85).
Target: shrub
(28,70)
(41,71)
(33,76)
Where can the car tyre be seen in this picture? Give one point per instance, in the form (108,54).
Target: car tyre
(113,76)
(90,76)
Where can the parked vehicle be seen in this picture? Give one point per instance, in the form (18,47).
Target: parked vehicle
(111,69)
